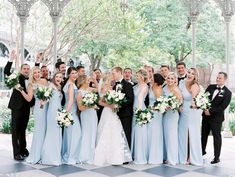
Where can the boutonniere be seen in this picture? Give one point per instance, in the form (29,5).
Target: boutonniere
(221,91)
(119,87)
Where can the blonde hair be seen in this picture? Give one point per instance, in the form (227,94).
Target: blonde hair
(53,78)
(172,74)
(106,79)
(81,80)
(196,75)
(31,78)
(143,73)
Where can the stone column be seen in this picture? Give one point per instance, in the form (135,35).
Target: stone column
(193,7)
(56,8)
(23,8)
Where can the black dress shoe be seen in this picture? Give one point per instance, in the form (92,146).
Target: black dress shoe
(125,163)
(215,161)
(18,157)
(25,153)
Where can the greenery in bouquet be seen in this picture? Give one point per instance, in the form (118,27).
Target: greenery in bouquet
(64,118)
(143,116)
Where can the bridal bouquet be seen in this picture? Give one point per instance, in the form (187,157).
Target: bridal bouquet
(90,100)
(160,105)
(64,118)
(116,98)
(143,116)
(202,100)
(172,102)
(12,81)
(44,94)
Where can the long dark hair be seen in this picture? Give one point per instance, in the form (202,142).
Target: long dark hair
(70,69)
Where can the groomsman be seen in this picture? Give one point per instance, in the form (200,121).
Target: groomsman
(213,117)
(20,109)
(181,71)
(164,70)
(127,75)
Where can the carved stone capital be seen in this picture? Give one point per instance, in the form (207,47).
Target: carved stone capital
(22,7)
(194,8)
(55,7)
(227,8)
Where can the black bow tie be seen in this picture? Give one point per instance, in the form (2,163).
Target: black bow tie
(181,78)
(26,78)
(218,88)
(118,82)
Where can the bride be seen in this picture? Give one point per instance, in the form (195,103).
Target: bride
(111,144)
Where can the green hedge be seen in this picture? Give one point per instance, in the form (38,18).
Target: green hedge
(5,120)
(232,105)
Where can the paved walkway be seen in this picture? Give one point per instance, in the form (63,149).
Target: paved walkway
(11,168)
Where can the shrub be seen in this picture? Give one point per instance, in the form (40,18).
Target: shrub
(232,105)
(232,126)
(5,119)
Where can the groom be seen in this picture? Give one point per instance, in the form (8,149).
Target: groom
(125,113)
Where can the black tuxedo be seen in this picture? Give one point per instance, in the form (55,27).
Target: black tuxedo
(214,121)
(20,109)
(125,113)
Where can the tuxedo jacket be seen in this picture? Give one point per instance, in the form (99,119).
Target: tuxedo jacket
(218,104)
(17,101)
(126,109)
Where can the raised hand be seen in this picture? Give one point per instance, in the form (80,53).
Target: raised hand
(39,57)
(13,55)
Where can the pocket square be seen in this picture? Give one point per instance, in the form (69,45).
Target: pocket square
(221,95)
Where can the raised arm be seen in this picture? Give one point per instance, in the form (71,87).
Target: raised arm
(7,69)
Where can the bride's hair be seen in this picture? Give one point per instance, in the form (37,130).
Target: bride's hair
(106,81)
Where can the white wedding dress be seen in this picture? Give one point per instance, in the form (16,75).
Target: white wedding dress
(111,144)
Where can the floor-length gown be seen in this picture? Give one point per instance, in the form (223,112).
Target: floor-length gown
(111,144)
(72,134)
(139,141)
(89,123)
(189,129)
(170,132)
(39,129)
(51,151)
(155,135)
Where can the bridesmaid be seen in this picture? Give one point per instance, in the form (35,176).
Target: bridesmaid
(139,146)
(155,129)
(51,154)
(72,134)
(190,122)
(170,121)
(89,122)
(36,81)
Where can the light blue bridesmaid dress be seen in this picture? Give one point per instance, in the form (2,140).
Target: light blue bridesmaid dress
(155,135)
(89,123)
(39,132)
(189,127)
(51,151)
(170,131)
(72,134)
(139,141)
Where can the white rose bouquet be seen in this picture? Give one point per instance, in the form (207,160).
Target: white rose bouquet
(116,98)
(143,116)
(202,100)
(160,104)
(44,94)
(90,100)
(64,118)
(12,81)
(173,103)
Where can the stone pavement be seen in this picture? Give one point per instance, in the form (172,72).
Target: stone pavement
(11,168)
